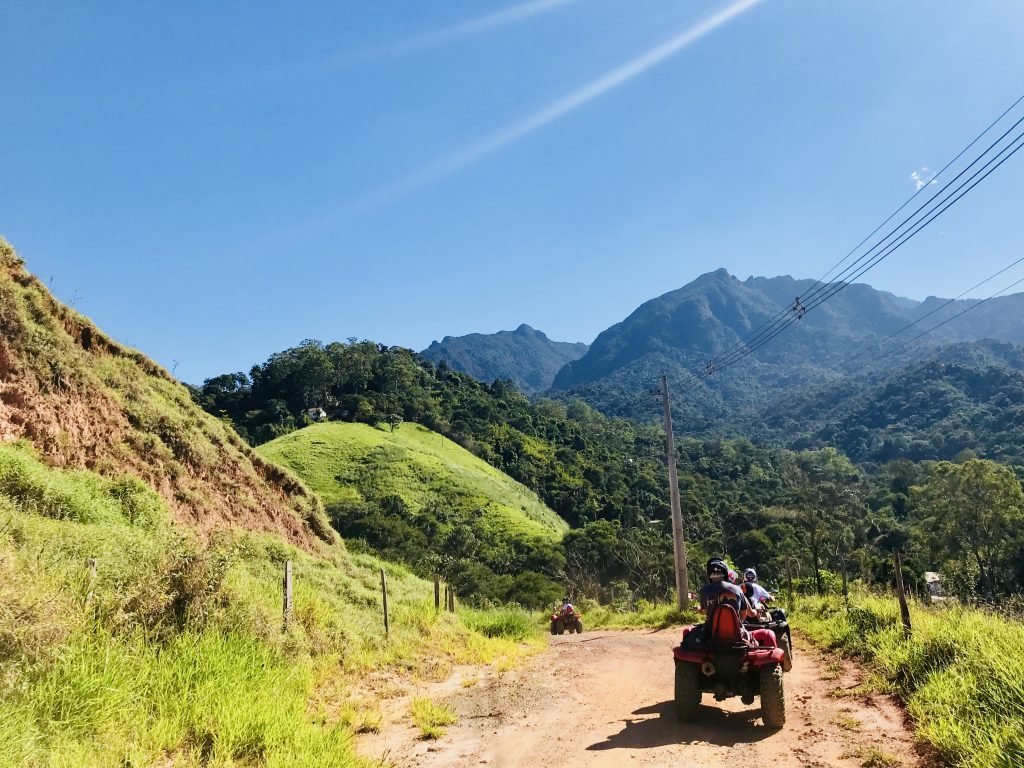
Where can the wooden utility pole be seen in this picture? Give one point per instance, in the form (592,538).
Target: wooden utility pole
(904,609)
(678,537)
(437,592)
(286,606)
(384,595)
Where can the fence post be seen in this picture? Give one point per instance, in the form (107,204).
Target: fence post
(286,606)
(437,592)
(451,599)
(384,592)
(789,586)
(846,593)
(904,610)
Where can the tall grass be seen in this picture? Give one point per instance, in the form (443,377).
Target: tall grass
(176,655)
(961,671)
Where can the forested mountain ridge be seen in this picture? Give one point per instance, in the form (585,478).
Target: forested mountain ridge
(679,332)
(962,397)
(526,356)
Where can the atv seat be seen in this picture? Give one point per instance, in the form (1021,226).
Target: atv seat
(724,628)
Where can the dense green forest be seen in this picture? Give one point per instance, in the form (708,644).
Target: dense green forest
(606,478)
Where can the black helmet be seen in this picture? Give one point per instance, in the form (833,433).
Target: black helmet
(717,565)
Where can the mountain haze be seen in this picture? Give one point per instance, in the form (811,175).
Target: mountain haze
(526,356)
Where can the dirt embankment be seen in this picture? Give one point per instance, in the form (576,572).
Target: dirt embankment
(606,699)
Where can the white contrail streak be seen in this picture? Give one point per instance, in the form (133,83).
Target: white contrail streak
(469,28)
(558,109)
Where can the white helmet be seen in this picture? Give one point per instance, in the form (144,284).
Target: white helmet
(750,575)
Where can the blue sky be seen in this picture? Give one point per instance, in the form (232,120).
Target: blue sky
(214,182)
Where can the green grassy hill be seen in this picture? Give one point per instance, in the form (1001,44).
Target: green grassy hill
(346,463)
(414,495)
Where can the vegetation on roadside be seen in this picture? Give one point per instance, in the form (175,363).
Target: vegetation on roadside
(176,653)
(960,672)
(431,717)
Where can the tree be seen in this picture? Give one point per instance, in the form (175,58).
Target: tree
(975,510)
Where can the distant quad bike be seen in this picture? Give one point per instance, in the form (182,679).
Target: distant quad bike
(775,620)
(566,620)
(717,660)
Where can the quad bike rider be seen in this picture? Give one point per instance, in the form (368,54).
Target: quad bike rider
(773,619)
(723,658)
(566,618)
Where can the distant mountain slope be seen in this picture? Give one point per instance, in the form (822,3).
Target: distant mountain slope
(683,329)
(964,396)
(85,401)
(526,356)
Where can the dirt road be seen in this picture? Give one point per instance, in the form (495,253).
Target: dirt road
(605,699)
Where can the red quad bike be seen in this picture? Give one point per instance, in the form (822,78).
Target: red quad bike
(566,620)
(719,661)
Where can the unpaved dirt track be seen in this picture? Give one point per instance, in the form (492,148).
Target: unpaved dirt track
(606,699)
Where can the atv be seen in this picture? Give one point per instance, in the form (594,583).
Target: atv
(775,620)
(566,619)
(714,658)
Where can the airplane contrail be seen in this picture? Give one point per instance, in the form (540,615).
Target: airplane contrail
(557,109)
(438,37)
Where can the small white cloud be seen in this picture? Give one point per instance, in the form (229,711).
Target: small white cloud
(922,178)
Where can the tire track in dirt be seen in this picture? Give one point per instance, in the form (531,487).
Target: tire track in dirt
(606,699)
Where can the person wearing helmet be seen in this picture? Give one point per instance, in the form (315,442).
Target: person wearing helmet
(734,577)
(720,590)
(754,591)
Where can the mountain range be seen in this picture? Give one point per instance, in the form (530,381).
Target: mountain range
(525,355)
(679,332)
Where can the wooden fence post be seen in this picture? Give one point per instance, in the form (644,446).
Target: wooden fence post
(904,610)
(384,592)
(789,586)
(437,592)
(451,599)
(286,605)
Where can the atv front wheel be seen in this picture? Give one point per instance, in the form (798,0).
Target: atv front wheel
(579,627)
(687,691)
(554,628)
(787,648)
(773,700)
(559,627)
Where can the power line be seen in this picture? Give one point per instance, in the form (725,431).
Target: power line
(775,319)
(937,309)
(939,208)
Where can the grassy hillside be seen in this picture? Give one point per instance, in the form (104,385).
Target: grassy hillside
(85,401)
(345,462)
(416,496)
(175,655)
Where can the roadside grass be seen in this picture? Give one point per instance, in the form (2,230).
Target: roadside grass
(176,653)
(343,461)
(961,671)
(872,757)
(431,717)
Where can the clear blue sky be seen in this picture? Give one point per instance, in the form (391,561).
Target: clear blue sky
(214,182)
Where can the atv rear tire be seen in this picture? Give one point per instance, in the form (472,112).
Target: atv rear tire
(687,691)
(787,648)
(559,627)
(554,630)
(773,700)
